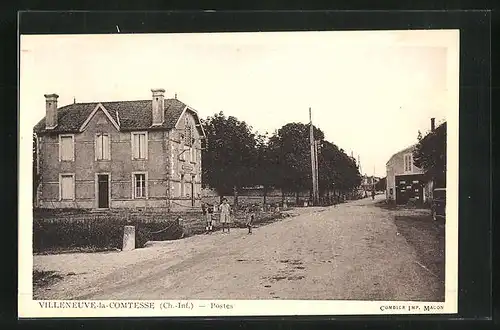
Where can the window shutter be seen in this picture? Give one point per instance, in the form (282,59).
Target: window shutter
(135,145)
(143,150)
(105,147)
(98,146)
(67,148)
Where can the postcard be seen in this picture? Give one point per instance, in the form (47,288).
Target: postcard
(238,174)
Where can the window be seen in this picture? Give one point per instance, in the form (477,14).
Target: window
(172,170)
(408,160)
(66,148)
(67,186)
(139,185)
(102,147)
(183,183)
(193,155)
(185,153)
(188,133)
(139,145)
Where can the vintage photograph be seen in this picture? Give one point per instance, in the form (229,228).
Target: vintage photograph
(232,168)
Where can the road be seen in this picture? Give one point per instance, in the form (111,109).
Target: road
(351,251)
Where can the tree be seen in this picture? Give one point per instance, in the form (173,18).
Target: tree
(266,169)
(229,155)
(235,157)
(328,161)
(346,173)
(381,184)
(430,155)
(291,153)
(337,171)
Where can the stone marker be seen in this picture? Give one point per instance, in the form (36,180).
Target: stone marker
(128,238)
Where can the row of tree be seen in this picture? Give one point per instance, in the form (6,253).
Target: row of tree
(235,156)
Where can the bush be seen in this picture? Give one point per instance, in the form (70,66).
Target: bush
(98,233)
(83,233)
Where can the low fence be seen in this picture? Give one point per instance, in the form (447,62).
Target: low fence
(247,200)
(274,197)
(275,200)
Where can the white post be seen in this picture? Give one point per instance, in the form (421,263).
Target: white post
(128,238)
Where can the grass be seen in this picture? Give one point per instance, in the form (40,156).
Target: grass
(393,206)
(45,278)
(427,237)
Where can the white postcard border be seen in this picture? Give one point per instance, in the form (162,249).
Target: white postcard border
(29,308)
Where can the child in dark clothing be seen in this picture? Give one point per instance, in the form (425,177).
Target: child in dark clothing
(208,211)
(250,217)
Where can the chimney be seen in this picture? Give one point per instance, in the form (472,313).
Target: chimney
(50,110)
(433,124)
(158,106)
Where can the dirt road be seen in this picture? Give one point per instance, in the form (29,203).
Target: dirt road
(351,251)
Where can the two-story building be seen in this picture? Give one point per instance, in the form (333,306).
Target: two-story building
(125,154)
(405,181)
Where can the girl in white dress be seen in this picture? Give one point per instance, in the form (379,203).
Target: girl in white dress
(225,211)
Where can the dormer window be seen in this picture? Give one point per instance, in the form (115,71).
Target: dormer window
(102,146)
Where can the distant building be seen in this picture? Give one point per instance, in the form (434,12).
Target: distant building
(367,184)
(405,181)
(125,154)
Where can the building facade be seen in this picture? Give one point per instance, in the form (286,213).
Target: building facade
(367,185)
(405,181)
(125,154)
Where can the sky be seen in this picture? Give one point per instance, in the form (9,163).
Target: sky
(370,92)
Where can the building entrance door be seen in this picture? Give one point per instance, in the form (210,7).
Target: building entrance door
(103,191)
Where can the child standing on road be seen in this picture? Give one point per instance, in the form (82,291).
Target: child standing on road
(250,217)
(225,211)
(207,211)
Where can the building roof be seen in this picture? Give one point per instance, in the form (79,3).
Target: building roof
(131,115)
(442,126)
(399,153)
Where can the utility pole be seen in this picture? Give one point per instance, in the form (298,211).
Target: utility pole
(316,195)
(314,167)
(359,165)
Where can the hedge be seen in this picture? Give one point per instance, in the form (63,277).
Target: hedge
(58,231)
(98,233)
